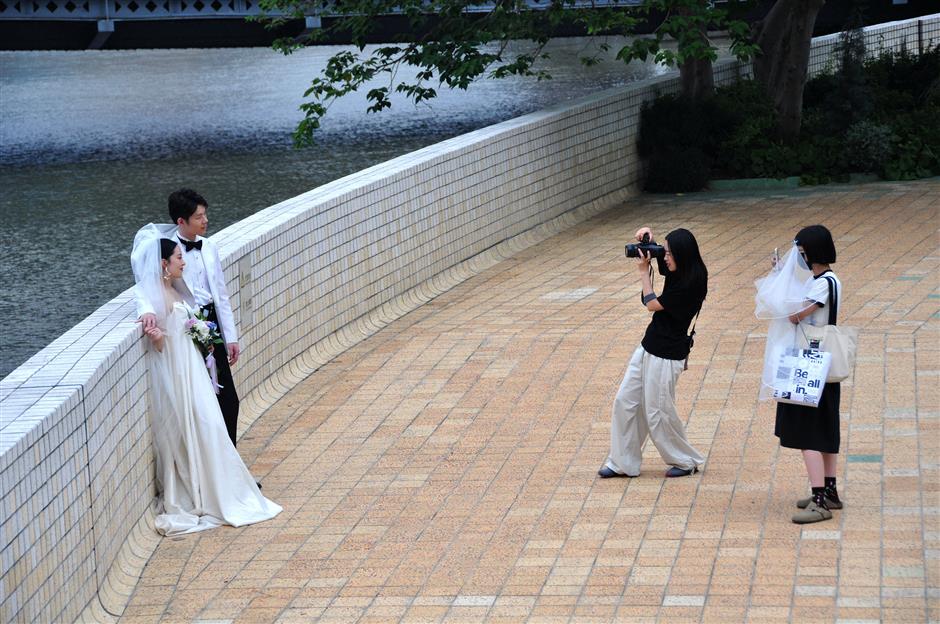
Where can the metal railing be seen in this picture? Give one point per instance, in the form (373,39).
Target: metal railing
(121,10)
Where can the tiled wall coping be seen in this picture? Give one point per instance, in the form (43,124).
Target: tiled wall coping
(308,277)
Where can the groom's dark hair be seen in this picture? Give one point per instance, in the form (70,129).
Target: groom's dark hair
(183,204)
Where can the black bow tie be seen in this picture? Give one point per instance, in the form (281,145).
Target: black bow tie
(190,245)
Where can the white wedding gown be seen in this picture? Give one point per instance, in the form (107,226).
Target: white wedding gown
(202,480)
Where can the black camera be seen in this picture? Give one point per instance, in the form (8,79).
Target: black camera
(650,249)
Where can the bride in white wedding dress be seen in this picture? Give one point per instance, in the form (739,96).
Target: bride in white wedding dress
(202,480)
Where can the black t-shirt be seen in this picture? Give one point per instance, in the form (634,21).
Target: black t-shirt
(667,334)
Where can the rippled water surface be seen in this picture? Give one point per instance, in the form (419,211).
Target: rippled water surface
(91,143)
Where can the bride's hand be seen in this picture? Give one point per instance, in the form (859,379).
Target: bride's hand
(149,320)
(156,337)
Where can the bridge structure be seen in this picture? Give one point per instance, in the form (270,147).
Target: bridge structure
(107,13)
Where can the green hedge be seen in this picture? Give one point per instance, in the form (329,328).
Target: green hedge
(878,115)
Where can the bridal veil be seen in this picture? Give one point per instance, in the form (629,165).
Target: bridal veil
(781,293)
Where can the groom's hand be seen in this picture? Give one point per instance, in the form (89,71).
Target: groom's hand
(149,321)
(233,352)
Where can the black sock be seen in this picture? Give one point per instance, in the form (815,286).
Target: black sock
(819,497)
(831,492)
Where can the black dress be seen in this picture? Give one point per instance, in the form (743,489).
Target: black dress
(813,428)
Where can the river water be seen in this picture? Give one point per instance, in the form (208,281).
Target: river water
(91,144)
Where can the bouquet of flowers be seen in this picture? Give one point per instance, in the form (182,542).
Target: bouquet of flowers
(205,335)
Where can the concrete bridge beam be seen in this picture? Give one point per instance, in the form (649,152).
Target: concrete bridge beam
(311,23)
(105,30)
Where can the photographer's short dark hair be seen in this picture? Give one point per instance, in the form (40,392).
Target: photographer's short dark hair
(817,244)
(183,203)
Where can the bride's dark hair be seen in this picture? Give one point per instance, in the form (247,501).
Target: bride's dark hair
(167,247)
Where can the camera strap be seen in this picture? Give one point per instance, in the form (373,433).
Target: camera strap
(691,336)
(645,299)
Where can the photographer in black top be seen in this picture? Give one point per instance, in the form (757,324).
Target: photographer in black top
(645,403)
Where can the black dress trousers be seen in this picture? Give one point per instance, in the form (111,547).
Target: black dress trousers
(228,398)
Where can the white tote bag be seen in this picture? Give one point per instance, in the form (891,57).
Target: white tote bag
(800,375)
(840,342)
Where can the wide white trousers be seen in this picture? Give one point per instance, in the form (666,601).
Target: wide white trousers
(646,406)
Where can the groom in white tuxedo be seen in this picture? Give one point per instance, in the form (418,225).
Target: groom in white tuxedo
(205,280)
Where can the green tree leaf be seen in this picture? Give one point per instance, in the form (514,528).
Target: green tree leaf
(456,42)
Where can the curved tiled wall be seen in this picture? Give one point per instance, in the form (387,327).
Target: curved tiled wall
(308,277)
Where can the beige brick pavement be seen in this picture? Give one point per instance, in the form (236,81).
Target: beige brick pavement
(444,469)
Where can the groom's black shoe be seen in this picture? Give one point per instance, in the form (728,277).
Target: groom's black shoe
(258,483)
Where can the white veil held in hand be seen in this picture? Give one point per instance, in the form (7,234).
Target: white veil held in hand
(145,261)
(781,293)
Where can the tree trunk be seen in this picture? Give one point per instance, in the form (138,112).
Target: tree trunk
(784,37)
(697,78)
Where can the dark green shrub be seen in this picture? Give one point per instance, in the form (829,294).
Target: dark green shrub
(699,134)
(917,149)
(879,115)
(932,93)
(743,120)
(903,72)
(676,120)
(822,156)
(676,135)
(672,132)
(669,120)
(842,96)
(913,159)
(887,104)
(851,99)
(817,90)
(745,148)
(775,160)
(868,146)
(674,169)
(903,83)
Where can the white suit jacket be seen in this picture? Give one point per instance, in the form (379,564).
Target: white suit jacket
(217,287)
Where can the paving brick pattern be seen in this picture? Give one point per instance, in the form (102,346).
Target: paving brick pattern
(444,469)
